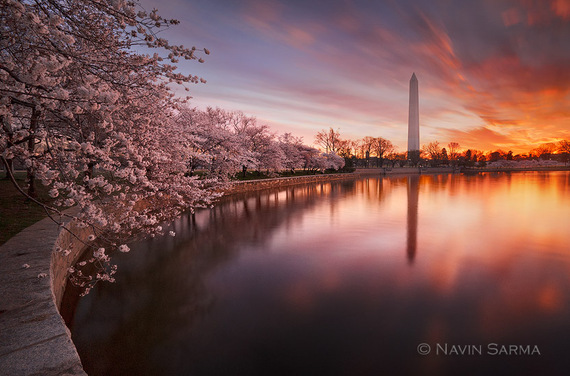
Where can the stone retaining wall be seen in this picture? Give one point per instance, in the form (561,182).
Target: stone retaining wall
(33,337)
(73,240)
(406,170)
(255,185)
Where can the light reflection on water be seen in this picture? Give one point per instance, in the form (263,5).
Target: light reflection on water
(345,278)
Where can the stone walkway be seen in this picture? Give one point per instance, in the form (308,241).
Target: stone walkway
(33,337)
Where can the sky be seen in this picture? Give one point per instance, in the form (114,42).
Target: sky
(493,74)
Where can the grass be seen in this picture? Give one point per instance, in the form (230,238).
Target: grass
(17,213)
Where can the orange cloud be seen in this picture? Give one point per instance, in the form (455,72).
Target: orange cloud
(561,8)
(515,96)
(480,138)
(494,71)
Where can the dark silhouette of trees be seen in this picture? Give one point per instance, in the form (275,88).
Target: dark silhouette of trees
(434,152)
(564,149)
(453,150)
(444,156)
(414,156)
(545,151)
(495,156)
(382,147)
(376,151)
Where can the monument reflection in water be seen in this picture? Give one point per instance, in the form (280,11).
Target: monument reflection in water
(347,278)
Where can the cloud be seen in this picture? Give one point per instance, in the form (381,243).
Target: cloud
(479,138)
(561,8)
(269,20)
(495,71)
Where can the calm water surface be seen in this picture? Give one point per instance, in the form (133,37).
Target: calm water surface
(347,278)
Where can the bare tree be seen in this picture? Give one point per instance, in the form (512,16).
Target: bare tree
(345,148)
(328,140)
(382,147)
(357,148)
(367,145)
(545,150)
(564,148)
(433,150)
(453,151)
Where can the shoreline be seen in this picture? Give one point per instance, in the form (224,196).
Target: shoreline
(515,169)
(33,336)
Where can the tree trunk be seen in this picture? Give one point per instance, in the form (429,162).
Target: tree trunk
(9,166)
(8,163)
(31,175)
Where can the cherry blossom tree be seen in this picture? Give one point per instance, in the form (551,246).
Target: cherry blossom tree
(226,141)
(91,118)
(270,155)
(291,147)
(260,150)
(212,141)
(332,161)
(317,161)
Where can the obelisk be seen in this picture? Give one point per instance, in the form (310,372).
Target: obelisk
(414,117)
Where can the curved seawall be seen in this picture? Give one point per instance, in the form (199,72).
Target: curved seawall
(34,339)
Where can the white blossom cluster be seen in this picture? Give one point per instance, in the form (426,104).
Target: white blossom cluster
(223,142)
(98,124)
(90,118)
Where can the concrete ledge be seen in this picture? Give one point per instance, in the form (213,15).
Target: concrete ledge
(407,171)
(475,170)
(255,185)
(33,337)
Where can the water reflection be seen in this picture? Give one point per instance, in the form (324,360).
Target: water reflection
(413,197)
(318,280)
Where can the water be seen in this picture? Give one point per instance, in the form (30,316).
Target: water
(347,278)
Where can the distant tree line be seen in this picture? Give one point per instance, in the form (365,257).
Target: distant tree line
(380,152)
(435,155)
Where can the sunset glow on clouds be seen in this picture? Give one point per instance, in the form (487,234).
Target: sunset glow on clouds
(492,74)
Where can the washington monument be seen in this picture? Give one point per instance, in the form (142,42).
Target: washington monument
(413,118)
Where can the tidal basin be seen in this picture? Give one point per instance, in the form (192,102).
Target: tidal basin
(346,278)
